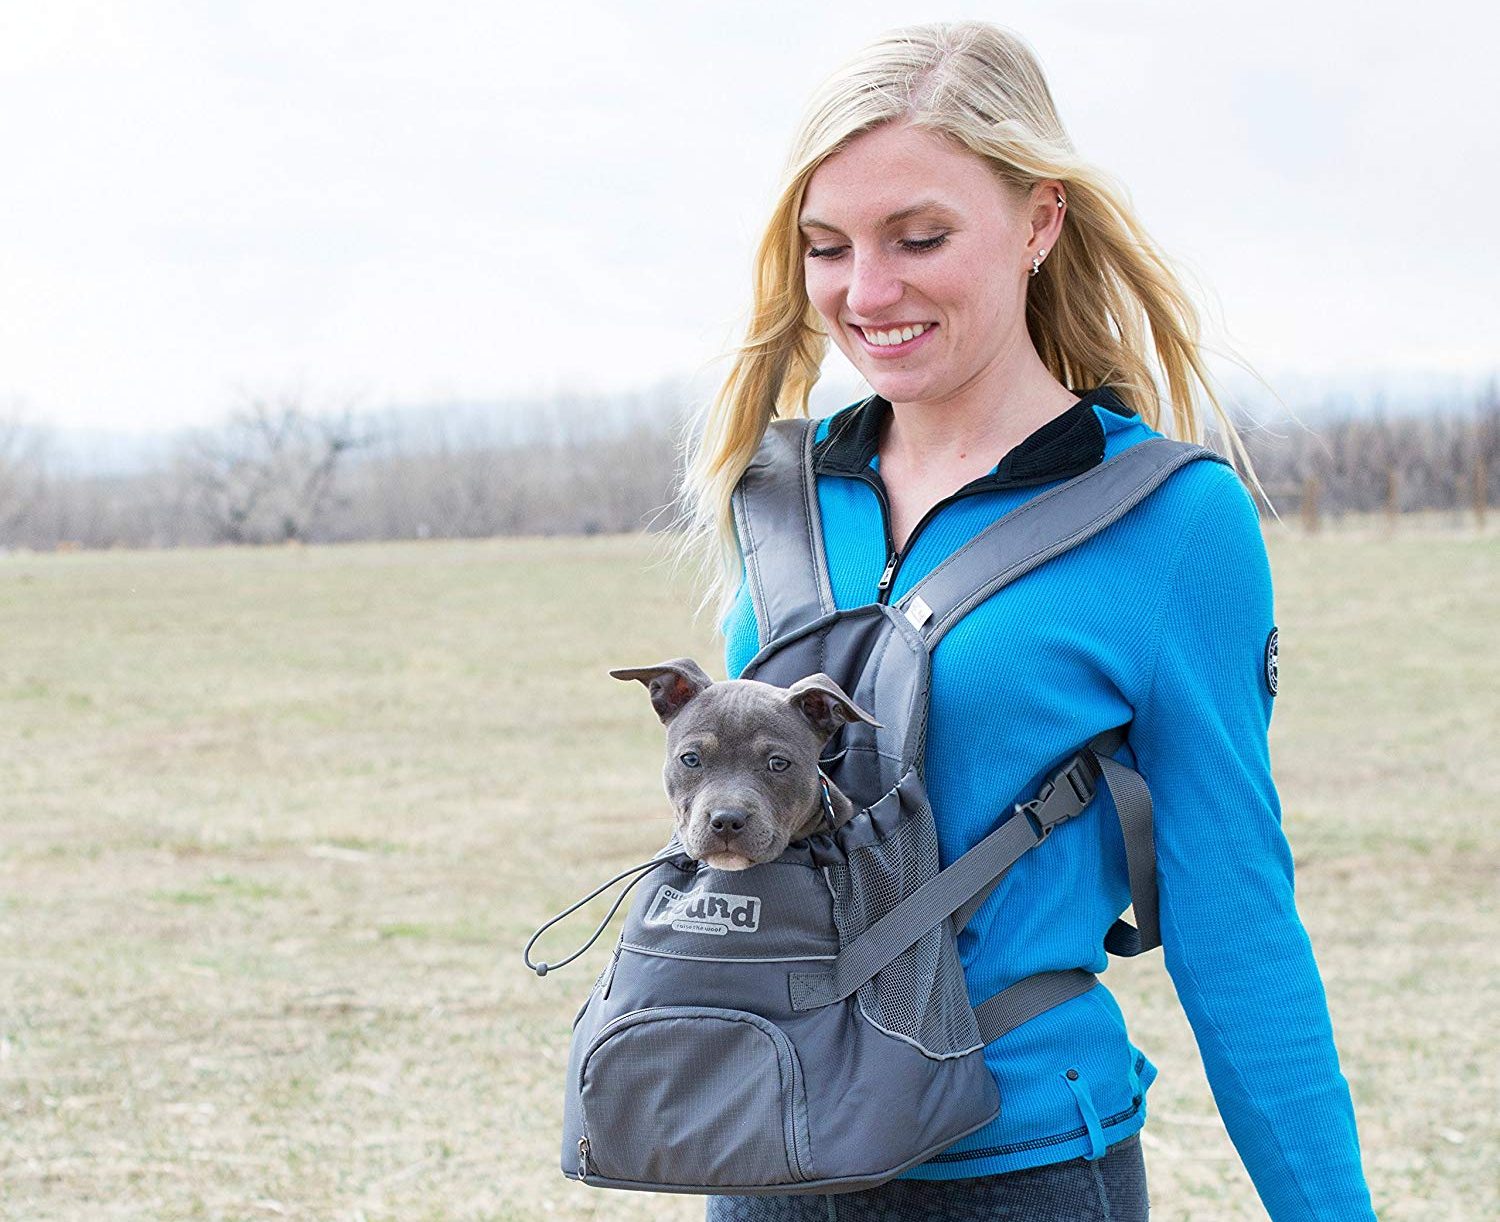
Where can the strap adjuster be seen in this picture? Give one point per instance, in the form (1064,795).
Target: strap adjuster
(1080,773)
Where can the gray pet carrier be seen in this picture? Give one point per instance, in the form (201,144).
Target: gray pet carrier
(803,1025)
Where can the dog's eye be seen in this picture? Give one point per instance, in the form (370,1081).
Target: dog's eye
(690,758)
(777,764)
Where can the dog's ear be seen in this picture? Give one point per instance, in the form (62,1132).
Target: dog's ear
(671,684)
(824,703)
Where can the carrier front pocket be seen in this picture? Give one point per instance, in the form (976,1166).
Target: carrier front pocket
(694,1096)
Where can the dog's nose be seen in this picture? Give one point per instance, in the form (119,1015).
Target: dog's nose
(727,820)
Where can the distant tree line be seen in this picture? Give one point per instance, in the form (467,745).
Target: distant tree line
(1381,462)
(276,471)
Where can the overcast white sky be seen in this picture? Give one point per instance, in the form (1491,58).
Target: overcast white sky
(410,202)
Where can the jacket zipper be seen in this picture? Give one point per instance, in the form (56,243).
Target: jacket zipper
(894,558)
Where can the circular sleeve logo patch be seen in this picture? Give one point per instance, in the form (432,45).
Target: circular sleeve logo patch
(1271,662)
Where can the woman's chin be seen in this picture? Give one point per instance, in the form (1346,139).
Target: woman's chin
(899,385)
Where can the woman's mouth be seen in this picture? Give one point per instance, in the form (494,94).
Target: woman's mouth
(894,340)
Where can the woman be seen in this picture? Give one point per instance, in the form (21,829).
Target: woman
(994,290)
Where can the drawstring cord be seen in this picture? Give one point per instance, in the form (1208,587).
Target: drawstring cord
(640,872)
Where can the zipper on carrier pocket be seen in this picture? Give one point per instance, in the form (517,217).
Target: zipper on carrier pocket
(605,1083)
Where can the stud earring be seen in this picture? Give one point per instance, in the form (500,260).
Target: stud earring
(1036,262)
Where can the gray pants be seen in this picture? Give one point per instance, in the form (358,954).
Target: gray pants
(1113,1189)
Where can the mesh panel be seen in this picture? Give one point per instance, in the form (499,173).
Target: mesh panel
(921,995)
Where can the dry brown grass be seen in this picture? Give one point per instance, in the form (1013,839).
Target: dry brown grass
(276,823)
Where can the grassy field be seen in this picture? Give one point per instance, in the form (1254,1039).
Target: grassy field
(275,824)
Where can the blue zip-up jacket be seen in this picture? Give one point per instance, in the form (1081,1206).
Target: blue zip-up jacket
(1163,620)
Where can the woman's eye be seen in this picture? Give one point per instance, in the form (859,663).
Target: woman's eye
(920,244)
(777,764)
(690,758)
(915,245)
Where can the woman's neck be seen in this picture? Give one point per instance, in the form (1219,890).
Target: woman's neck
(981,421)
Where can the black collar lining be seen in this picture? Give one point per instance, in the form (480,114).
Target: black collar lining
(1066,445)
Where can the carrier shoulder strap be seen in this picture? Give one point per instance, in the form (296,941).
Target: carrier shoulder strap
(1041,528)
(780,531)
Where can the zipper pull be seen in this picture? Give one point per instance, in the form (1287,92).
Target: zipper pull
(583,1157)
(885,578)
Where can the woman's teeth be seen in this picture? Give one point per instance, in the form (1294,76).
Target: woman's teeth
(884,339)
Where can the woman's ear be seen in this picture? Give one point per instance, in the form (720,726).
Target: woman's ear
(1045,215)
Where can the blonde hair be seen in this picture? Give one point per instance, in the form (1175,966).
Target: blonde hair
(1104,284)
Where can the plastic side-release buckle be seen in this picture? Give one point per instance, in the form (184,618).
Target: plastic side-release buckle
(1062,797)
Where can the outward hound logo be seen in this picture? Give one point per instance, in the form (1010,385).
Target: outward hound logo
(1271,676)
(705,912)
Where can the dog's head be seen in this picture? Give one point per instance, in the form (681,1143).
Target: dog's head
(742,757)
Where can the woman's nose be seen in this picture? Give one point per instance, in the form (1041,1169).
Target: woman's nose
(873,286)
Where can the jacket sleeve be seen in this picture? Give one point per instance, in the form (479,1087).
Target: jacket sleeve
(1235,947)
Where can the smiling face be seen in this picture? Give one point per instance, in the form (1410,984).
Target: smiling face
(916,258)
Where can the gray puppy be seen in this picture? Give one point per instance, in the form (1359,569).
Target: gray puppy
(742,759)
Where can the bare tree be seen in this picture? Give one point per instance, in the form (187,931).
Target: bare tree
(23,475)
(268,475)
